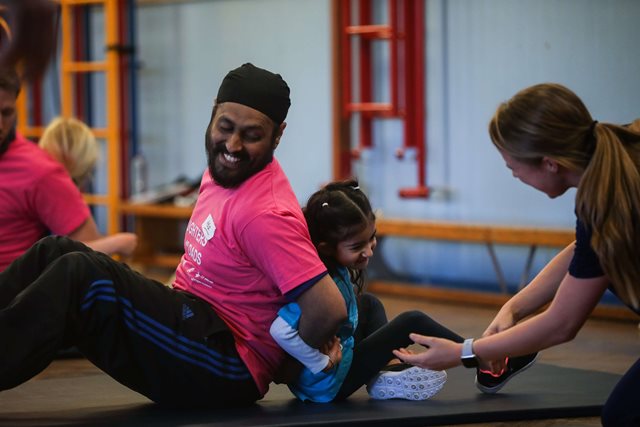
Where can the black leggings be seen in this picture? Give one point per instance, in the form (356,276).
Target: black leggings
(167,345)
(623,405)
(371,316)
(375,351)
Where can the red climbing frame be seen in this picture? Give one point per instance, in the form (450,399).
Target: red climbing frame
(405,34)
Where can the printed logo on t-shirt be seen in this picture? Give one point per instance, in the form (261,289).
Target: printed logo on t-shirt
(209,227)
(198,234)
(202,280)
(195,233)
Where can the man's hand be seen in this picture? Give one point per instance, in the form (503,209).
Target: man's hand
(333,349)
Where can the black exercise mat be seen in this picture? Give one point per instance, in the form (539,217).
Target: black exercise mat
(543,392)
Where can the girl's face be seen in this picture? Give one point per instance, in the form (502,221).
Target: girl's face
(355,251)
(548,176)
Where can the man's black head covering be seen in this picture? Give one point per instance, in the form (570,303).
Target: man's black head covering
(259,89)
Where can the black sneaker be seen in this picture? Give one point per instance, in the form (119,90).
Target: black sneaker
(490,383)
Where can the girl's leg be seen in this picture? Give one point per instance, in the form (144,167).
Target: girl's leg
(622,408)
(373,353)
(164,344)
(371,316)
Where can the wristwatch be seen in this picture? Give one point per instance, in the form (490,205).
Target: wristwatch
(467,357)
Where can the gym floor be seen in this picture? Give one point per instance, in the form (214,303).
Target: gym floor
(607,346)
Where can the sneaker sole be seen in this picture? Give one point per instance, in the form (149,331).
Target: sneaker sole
(495,389)
(410,384)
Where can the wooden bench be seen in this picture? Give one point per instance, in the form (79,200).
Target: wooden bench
(489,236)
(463,232)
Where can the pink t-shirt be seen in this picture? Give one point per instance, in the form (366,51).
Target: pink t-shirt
(244,249)
(36,196)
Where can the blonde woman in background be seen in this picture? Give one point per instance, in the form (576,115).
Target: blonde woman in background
(71,142)
(550,142)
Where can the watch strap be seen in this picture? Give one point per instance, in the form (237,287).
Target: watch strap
(468,357)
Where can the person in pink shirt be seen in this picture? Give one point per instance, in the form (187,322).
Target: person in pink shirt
(72,143)
(37,196)
(204,342)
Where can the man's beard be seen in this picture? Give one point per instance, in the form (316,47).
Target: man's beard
(4,144)
(238,176)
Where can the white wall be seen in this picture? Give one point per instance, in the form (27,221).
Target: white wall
(187,49)
(479,53)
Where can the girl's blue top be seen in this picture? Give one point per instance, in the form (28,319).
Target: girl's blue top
(323,387)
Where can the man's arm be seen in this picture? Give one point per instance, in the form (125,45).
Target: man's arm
(119,243)
(87,232)
(323,310)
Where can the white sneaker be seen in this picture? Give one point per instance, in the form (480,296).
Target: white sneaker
(411,383)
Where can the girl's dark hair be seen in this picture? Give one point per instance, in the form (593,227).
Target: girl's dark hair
(335,213)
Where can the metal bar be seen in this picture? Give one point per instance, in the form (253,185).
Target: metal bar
(366,66)
(84,67)
(36,131)
(22,122)
(527,267)
(66,79)
(393,53)
(419,77)
(123,138)
(81,2)
(112,38)
(80,86)
(371,107)
(339,138)
(345,41)
(371,31)
(496,266)
(414,88)
(407,89)
(96,199)
(31,132)
(128,98)
(344,134)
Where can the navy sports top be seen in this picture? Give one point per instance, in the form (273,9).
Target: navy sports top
(585,263)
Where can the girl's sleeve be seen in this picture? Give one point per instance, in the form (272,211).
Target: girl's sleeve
(289,340)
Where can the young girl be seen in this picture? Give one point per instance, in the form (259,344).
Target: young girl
(342,227)
(71,142)
(549,140)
